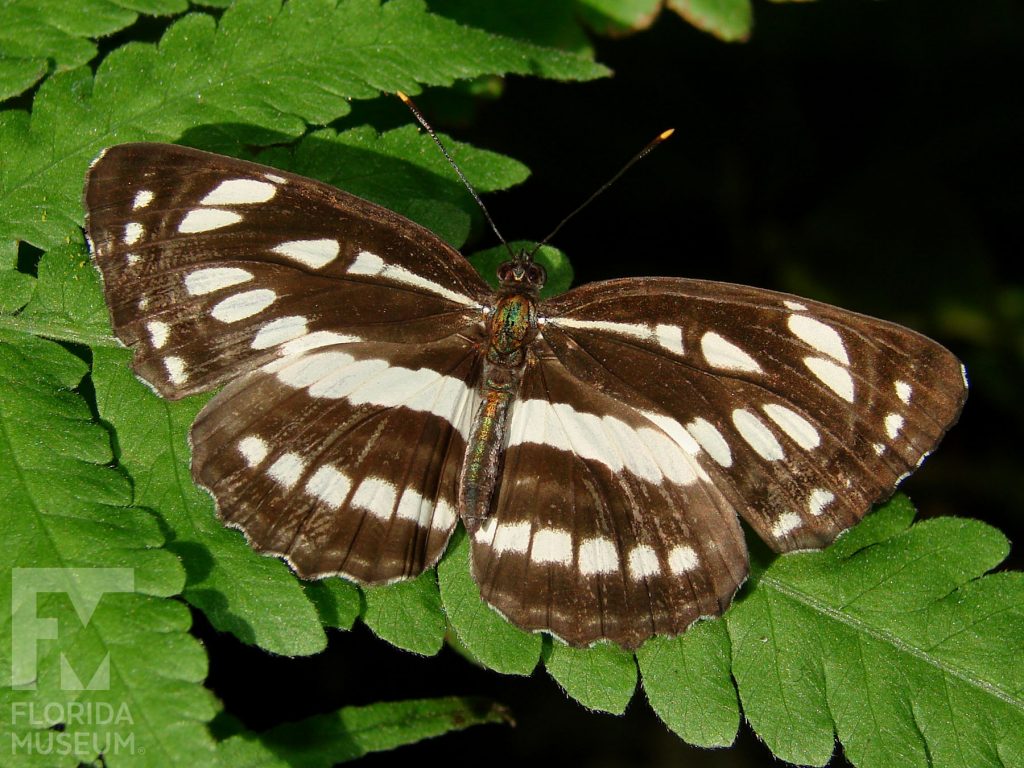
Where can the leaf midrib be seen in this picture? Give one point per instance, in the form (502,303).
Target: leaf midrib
(861,626)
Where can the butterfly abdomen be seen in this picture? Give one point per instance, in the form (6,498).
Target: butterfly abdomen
(483,456)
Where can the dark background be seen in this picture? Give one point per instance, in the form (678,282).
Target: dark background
(868,154)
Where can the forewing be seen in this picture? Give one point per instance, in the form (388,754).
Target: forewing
(605,525)
(808,413)
(343,459)
(210,263)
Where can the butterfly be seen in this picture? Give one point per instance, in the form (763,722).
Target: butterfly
(599,447)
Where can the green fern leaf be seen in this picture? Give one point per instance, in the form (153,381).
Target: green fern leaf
(899,645)
(618,16)
(602,677)
(37,36)
(407,614)
(687,681)
(483,635)
(324,740)
(892,640)
(261,74)
(337,601)
(544,22)
(83,587)
(729,20)
(402,170)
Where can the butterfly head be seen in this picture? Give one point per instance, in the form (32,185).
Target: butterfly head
(522,274)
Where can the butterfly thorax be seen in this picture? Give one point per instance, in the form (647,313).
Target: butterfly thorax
(512,326)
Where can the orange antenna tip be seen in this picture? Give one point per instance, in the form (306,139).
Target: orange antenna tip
(638,156)
(402,96)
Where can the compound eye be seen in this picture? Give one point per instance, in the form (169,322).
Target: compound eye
(505,272)
(536,273)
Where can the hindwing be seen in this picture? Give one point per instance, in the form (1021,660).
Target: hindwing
(606,525)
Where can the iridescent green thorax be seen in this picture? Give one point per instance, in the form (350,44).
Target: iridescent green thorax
(513,326)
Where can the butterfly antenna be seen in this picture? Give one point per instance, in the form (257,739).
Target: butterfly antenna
(426,126)
(636,158)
